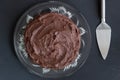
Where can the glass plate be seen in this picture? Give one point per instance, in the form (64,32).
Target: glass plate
(62,8)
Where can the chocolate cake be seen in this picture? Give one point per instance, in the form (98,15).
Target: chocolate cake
(52,40)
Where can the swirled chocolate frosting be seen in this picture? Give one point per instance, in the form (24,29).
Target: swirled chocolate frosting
(52,40)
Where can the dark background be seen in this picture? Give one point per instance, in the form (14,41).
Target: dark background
(94,69)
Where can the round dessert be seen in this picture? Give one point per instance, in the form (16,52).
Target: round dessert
(52,40)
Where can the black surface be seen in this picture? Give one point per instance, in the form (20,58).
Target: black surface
(94,68)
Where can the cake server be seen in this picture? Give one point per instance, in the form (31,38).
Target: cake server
(103,33)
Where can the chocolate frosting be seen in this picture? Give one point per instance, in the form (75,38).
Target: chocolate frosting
(52,40)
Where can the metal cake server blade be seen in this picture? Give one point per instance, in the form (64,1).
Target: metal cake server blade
(103,33)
